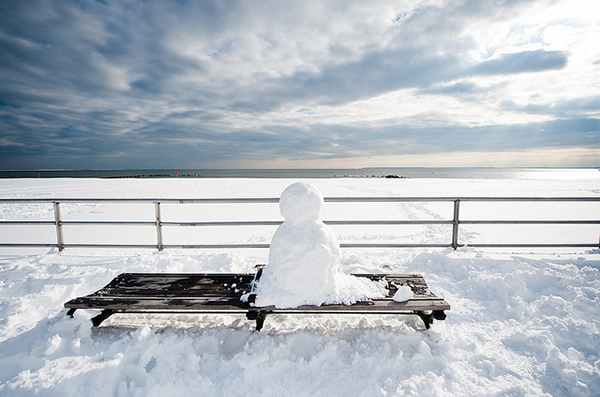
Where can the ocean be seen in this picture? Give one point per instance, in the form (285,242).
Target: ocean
(406,172)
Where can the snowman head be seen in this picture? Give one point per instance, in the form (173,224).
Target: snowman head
(301,202)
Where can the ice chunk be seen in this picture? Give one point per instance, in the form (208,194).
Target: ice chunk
(403,294)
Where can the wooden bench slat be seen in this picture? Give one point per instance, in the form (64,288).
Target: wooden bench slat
(147,287)
(170,292)
(204,304)
(212,281)
(182,285)
(162,304)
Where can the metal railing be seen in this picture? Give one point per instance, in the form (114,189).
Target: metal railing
(158,223)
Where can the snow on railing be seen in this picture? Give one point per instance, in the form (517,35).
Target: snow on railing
(158,223)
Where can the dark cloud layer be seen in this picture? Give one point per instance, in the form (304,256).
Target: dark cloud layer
(523,62)
(169,84)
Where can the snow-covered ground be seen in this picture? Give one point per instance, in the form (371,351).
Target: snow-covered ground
(522,322)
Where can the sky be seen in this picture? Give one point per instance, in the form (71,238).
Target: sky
(299,84)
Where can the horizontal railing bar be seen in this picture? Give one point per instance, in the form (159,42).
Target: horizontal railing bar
(138,223)
(393,222)
(265,246)
(18,245)
(530,222)
(25,222)
(276,200)
(75,200)
(432,199)
(23,245)
(152,246)
(214,246)
(533,245)
(343,245)
(220,246)
(393,245)
(224,201)
(223,223)
(276,223)
(275,311)
(527,198)
(144,200)
(333,223)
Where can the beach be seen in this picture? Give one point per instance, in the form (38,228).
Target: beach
(523,322)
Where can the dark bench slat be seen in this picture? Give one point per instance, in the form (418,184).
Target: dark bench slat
(206,304)
(372,305)
(165,294)
(225,294)
(160,286)
(217,283)
(148,280)
(155,303)
(202,287)
(176,282)
(227,277)
(189,285)
(215,291)
(90,300)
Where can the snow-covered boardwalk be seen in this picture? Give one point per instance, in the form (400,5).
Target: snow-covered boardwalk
(523,322)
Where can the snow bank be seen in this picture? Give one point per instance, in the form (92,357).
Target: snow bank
(520,324)
(304,258)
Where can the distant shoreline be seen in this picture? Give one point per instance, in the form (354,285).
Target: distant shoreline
(380,172)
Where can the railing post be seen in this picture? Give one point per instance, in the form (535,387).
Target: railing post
(455,223)
(159,242)
(58,224)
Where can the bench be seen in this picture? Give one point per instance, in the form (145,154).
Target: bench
(220,293)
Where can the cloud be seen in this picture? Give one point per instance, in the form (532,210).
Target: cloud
(572,108)
(195,147)
(460,89)
(372,75)
(387,71)
(217,84)
(522,62)
(8,142)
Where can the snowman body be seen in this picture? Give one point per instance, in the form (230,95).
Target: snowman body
(304,258)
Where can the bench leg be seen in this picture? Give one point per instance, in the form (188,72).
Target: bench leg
(71,312)
(259,316)
(428,318)
(97,320)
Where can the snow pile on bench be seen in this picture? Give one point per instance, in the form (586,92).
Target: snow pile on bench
(304,259)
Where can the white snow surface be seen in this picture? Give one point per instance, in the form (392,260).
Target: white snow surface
(304,258)
(523,323)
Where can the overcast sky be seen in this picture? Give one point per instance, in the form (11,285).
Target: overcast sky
(299,84)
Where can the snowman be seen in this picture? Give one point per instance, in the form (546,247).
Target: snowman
(304,258)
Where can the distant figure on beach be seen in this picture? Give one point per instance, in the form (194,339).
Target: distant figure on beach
(304,258)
